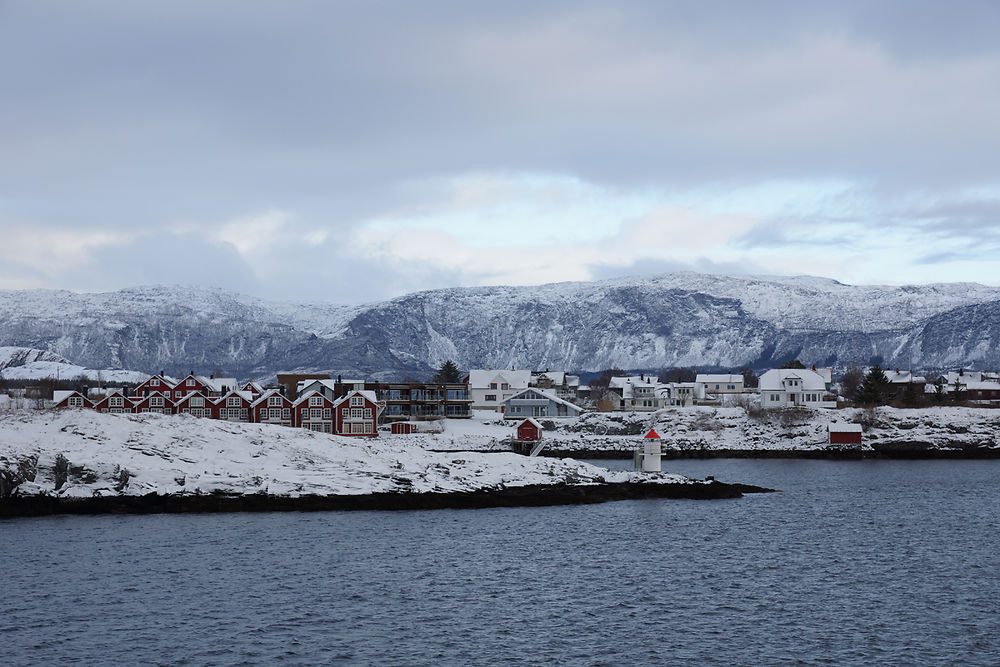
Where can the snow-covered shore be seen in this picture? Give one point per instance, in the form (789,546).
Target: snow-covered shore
(82,454)
(705,430)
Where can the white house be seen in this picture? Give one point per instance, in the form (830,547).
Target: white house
(637,393)
(676,394)
(713,385)
(794,387)
(534,402)
(489,389)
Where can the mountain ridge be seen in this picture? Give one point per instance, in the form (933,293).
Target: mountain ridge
(675,319)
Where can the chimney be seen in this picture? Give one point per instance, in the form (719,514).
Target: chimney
(814,368)
(338,378)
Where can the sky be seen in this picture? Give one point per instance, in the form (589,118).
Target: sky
(358,150)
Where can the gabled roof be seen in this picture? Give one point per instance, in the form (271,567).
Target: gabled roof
(719,378)
(367,394)
(304,385)
(481,379)
(268,394)
(62,394)
(245,395)
(545,394)
(530,421)
(774,379)
(310,394)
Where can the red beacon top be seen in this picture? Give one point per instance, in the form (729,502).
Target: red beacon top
(652,435)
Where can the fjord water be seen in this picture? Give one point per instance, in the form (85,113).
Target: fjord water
(882,562)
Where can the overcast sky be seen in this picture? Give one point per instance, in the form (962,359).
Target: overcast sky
(352,151)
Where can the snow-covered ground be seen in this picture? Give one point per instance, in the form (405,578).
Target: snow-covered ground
(187,455)
(705,428)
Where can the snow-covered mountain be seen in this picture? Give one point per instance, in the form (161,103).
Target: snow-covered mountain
(681,319)
(25,363)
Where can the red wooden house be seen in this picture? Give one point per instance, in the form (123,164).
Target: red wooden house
(71,399)
(271,407)
(314,411)
(190,384)
(194,404)
(157,384)
(845,434)
(156,403)
(234,407)
(528,430)
(114,402)
(357,413)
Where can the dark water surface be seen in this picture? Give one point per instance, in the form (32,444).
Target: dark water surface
(853,563)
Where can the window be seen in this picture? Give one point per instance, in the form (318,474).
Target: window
(190,382)
(233,401)
(197,402)
(116,401)
(154,383)
(731,387)
(275,413)
(357,413)
(274,401)
(327,413)
(76,401)
(315,400)
(315,413)
(357,400)
(368,413)
(505,385)
(490,397)
(156,401)
(286,413)
(493,385)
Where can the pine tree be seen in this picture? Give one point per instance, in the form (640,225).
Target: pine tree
(448,372)
(873,388)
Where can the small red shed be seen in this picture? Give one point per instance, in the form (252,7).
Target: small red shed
(845,434)
(404,428)
(529,431)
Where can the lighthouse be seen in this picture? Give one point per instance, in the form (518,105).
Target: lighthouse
(647,458)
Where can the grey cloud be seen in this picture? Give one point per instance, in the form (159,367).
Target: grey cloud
(141,114)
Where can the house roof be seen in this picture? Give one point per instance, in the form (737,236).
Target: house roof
(844,428)
(530,421)
(719,378)
(266,395)
(309,394)
(774,379)
(481,379)
(62,394)
(368,394)
(304,385)
(551,397)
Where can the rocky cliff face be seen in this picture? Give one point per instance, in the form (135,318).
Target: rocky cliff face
(671,320)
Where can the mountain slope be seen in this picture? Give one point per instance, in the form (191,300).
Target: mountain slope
(671,320)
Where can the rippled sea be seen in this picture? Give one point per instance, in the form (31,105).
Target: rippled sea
(852,563)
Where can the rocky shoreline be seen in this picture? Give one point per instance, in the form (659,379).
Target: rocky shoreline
(521,496)
(886,450)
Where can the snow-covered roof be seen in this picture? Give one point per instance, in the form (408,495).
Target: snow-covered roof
(307,395)
(557,377)
(902,377)
(266,395)
(640,380)
(723,378)
(530,421)
(776,378)
(545,394)
(62,395)
(366,393)
(304,385)
(481,379)
(841,427)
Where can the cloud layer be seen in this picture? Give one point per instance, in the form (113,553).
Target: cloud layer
(291,148)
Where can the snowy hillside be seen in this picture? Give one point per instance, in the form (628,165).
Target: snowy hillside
(139,454)
(22,363)
(681,319)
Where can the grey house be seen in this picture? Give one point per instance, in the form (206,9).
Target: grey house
(537,403)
